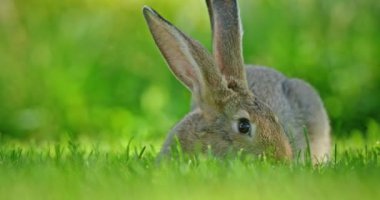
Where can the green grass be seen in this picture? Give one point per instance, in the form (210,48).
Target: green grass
(73,171)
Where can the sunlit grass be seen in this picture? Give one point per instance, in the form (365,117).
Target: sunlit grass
(84,171)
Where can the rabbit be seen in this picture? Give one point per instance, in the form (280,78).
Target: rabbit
(238,107)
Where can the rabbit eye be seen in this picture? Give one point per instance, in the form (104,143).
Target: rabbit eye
(244,126)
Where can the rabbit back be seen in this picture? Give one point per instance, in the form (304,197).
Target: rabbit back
(297,106)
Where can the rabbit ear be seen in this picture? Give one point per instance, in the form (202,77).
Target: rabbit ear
(227,38)
(187,59)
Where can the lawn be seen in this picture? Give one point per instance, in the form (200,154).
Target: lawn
(78,171)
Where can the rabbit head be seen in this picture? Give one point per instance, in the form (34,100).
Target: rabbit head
(227,115)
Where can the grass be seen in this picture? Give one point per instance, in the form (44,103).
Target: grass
(73,171)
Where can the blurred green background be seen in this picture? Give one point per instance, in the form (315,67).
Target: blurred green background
(89,68)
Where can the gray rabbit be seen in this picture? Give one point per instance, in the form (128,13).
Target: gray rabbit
(238,107)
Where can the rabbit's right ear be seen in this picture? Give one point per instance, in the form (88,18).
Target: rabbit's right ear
(187,59)
(227,38)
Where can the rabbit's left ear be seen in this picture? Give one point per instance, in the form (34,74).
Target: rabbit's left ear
(188,60)
(227,38)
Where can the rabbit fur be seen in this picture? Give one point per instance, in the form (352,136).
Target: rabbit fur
(238,107)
